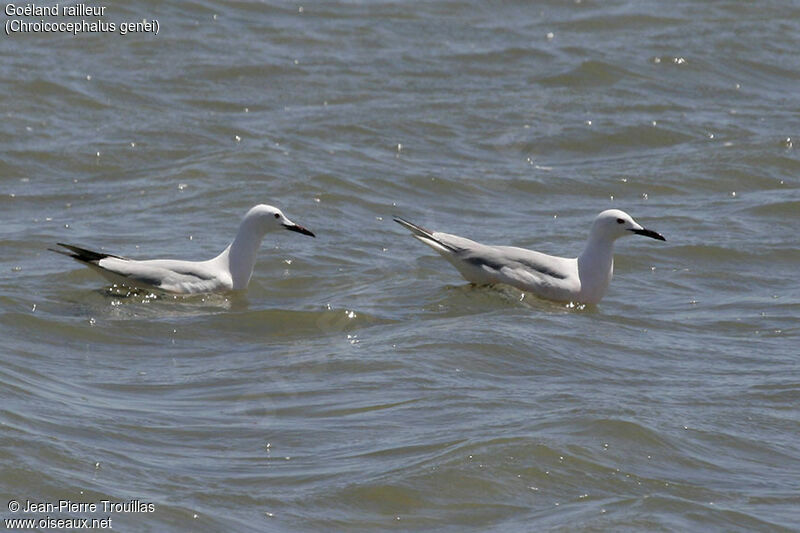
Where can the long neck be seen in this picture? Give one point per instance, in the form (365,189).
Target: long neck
(241,253)
(595,267)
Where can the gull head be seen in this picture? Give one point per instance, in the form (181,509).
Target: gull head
(266,218)
(613,224)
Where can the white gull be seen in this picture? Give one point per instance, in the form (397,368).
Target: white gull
(230,270)
(583,279)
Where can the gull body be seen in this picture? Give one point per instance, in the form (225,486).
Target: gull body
(582,279)
(230,270)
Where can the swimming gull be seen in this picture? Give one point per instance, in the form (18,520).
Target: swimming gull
(230,270)
(583,279)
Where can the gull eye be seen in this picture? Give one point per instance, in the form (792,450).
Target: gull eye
(277,215)
(620,221)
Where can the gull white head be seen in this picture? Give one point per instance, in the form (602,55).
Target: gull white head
(612,224)
(263,218)
(241,254)
(596,262)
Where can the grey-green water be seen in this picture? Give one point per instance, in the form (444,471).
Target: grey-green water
(360,384)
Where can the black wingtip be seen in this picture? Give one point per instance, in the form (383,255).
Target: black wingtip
(81,254)
(414,228)
(403,222)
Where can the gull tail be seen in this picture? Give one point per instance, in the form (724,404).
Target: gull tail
(426,236)
(82,254)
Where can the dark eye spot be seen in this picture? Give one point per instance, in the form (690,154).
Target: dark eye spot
(277,215)
(620,221)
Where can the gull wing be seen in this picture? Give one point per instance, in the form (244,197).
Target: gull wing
(161,274)
(542,274)
(507,260)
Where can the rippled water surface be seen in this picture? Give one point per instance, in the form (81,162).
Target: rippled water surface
(360,384)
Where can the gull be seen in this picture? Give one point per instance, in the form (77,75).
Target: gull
(230,270)
(583,279)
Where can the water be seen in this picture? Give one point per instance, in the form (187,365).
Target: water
(361,384)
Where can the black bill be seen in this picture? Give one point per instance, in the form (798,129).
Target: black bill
(649,233)
(299,229)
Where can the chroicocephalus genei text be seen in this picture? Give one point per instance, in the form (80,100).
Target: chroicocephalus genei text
(581,280)
(230,270)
